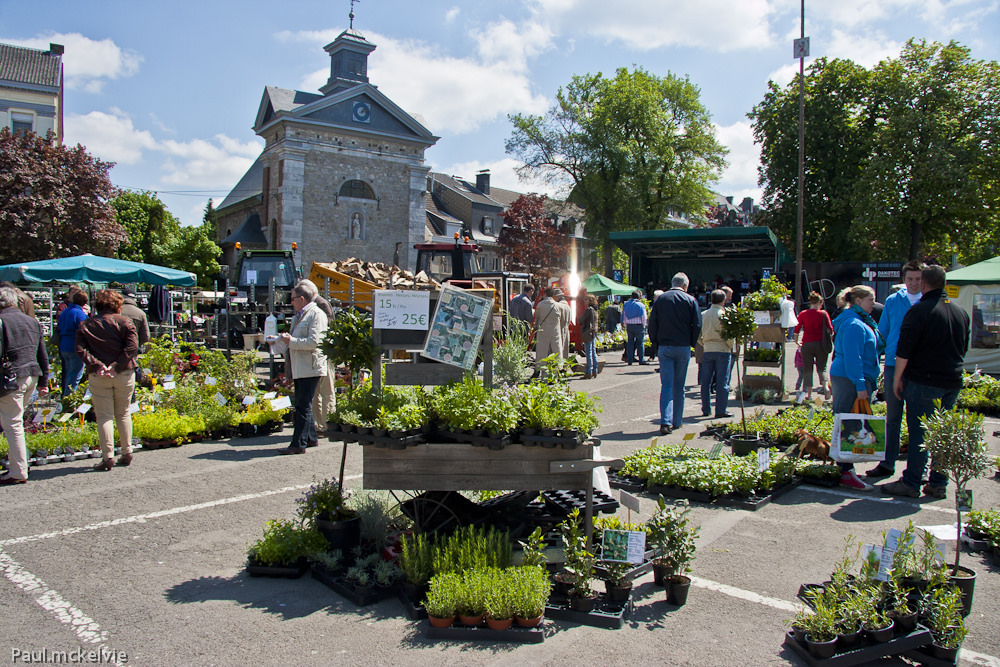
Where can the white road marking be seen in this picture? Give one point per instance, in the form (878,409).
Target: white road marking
(875,496)
(978,658)
(87,630)
(141,518)
(749,596)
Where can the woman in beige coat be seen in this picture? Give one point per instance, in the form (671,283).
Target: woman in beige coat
(306,362)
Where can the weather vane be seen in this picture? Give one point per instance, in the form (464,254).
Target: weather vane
(351,15)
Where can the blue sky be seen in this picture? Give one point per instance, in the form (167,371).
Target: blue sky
(169,90)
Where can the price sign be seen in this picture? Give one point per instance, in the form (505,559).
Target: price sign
(281,403)
(630,501)
(763,459)
(64,417)
(83,409)
(211,381)
(43,415)
(402,309)
(220,399)
(248,400)
(133,408)
(688,436)
(170,384)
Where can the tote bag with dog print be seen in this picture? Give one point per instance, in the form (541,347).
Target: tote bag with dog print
(858,435)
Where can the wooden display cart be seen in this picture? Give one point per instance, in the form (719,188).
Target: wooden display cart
(452,467)
(767,333)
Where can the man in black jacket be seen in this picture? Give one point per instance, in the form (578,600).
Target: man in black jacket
(933,340)
(24,347)
(674,327)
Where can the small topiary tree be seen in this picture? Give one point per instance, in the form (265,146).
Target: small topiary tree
(738,324)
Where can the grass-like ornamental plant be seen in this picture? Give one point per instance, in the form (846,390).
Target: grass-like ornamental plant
(416,558)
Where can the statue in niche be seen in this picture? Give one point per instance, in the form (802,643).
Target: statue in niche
(356,226)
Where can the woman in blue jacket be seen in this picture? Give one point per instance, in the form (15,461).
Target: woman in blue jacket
(854,371)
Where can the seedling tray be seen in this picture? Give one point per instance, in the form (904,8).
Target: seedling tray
(459,632)
(974,544)
(550,441)
(866,652)
(752,502)
(341,587)
(928,660)
(608,615)
(278,571)
(819,481)
(414,611)
(626,482)
(469,438)
(567,501)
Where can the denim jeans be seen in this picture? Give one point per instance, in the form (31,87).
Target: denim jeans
(304,428)
(715,375)
(844,393)
(634,347)
(590,351)
(674,360)
(920,403)
(893,421)
(72,371)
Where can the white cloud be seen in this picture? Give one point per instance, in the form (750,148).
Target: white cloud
(451,15)
(740,177)
(201,163)
(87,63)
(448,94)
(719,25)
(109,136)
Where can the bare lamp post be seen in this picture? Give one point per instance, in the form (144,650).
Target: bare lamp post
(801,50)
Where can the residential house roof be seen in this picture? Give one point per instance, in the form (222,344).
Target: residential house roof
(19,64)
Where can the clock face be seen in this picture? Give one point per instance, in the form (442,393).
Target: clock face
(362,112)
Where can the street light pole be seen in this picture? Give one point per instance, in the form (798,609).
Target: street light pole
(801,50)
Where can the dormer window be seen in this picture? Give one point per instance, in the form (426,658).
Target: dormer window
(487,225)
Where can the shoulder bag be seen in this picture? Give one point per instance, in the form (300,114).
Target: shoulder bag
(8,376)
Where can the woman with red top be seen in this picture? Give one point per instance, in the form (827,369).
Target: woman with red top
(812,321)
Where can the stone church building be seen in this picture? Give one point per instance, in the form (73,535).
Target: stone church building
(342,173)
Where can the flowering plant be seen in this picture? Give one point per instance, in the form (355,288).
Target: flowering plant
(323,501)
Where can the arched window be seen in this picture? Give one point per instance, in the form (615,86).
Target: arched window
(357,189)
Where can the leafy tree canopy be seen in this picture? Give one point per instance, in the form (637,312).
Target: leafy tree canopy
(902,160)
(53,200)
(529,241)
(631,149)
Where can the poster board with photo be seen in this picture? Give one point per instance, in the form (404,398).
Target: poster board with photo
(457,327)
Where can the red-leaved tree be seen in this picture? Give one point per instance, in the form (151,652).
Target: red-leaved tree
(53,200)
(530,242)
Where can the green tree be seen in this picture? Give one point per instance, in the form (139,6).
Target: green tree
(194,250)
(210,220)
(152,230)
(632,149)
(901,161)
(53,200)
(836,138)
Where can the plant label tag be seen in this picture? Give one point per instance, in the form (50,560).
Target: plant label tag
(763,459)
(249,400)
(963,500)
(652,443)
(269,395)
(168,378)
(220,399)
(892,539)
(211,381)
(280,403)
(51,376)
(885,564)
(688,436)
(716,450)
(64,417)
(630,502)
(169,384)
(86,395)
(636,546)
(147,371)
(133,408)
(83,409)
(43,415)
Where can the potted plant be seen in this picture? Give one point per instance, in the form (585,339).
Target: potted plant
(957,445)
(385,574)
(579,563)
(499,598)
(361,579)
(531,591)
(738,324)
(946,622)
(618,584)
(283,549)
(416,560)
(323,506)
(471,603)
(441,601)
(672,537)
(349,341)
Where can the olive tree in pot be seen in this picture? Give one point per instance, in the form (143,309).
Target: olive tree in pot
(738,324)
(957,445)
(672,537)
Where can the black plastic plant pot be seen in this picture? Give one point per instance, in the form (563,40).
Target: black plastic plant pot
(583,604)
(965,580)
(821,650)
(617,594)
(344,534)
(744,444)
(678,587)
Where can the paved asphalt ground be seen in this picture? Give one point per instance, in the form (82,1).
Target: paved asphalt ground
(147,562)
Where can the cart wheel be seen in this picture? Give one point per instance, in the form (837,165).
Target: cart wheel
(428,513)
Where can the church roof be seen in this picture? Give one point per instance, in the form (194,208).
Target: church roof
(248,234)
(250,186)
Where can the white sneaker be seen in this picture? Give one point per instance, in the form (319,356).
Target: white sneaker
(800,396)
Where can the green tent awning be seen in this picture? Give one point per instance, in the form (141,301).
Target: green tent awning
(599,285)
(983,273)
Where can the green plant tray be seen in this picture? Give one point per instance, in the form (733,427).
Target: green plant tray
(919,655)
(974,544)
(341,587)
(828,482)
(378,440)
(414,611)
(752,502)
(466,437)
(551,441)
(867,652)
(625,482)
(459,632)
(278,571)
(607,615)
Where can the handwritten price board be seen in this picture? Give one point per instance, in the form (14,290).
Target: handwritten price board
(402,309)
